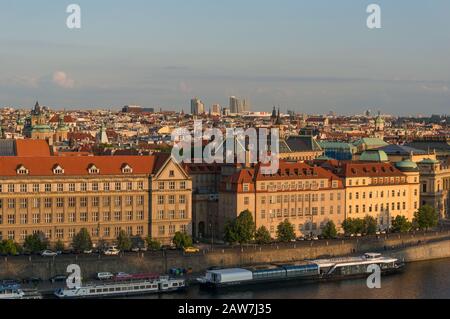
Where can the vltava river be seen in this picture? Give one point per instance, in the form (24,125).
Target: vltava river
(430,280)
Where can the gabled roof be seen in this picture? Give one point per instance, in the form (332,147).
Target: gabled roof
(78,166)
(302,143)
(394,149)
(371,142)
(32,148)
(360,169)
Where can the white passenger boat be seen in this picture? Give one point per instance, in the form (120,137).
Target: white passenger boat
(123,288)
(315,270)
(11,292)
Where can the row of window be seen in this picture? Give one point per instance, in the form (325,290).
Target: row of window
(60,202)
(49,218)
(171,199)
(171,185)
(292,186)
(379,181)
(393,193)
(299,212)
(295,198)
(172,229)
(382,207)
(71,187)
(171,214)
(60,233)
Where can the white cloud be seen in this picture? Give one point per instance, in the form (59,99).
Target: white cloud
(63,80)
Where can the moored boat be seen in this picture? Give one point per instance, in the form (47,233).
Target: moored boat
(314,270)
(11,292)
(123,288)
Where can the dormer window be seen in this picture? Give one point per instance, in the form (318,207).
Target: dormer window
(93,170)
(22,170)
(58,170)
(126,169)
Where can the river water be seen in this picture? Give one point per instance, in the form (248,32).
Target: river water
(429,280)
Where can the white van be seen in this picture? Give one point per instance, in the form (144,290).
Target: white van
(104,276)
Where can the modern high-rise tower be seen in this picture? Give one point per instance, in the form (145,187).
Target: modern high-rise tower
(197,107)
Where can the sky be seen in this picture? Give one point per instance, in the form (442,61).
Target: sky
(307,56)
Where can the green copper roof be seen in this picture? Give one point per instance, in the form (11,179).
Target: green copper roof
(374,156)
(429,161)
(41,128)
(406,165)
(371,141)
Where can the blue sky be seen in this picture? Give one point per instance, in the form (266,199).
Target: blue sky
(309,56)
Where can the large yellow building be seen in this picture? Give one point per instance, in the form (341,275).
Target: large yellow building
(143,195)
(378,188)
(307,196)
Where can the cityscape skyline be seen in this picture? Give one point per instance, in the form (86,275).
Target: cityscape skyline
(319,57)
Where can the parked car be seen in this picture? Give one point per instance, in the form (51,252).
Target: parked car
(122,275)
(112,252)
(58,278)
(49,253)
(105,276)
(191,250)
(88,252)
(9,282)
(32,280)
(135,249)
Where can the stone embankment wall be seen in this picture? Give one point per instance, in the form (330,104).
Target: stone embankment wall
(411,247)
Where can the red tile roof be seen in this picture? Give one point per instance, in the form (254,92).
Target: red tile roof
(32,148)
(78,166)
(67,119)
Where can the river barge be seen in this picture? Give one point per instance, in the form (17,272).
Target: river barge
(314,270)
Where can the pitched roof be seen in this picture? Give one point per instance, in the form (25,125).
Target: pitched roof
(359,169)
(78,166)
(296,170)
(67,119)
(7,148)
(302,143)
(394,149)
(32,148)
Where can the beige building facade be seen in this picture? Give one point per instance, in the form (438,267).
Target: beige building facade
(307,196)
(60,195)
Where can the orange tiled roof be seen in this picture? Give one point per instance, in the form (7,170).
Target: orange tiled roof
(78,166)
(67,119)
(32,148)
(297,170)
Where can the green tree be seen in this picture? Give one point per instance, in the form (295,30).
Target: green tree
(245,227)
(400,224)
(285,231)
(426,217)
(348,226)
(241,230)
(152,244)
(353,226)
(370,225)
(82,241)
(262,236)
(8,247)
(230,232)
(59,246)
(329,231)
(124,242)
(35,243)
(182,240)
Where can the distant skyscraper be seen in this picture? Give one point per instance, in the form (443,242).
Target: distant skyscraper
(235,105)
(215,109)
(246,106)
(197,107)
